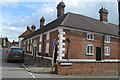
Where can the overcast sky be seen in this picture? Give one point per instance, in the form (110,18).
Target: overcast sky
(17,14)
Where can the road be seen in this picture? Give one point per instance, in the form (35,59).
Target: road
(13,70)
(29,70)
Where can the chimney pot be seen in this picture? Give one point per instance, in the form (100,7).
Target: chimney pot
(103,14)
(33,27)
(42,20)
(60,9)
(28,27)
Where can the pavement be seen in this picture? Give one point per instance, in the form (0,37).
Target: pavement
(45,72)
(36,67)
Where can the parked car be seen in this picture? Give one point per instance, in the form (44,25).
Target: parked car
(15,54)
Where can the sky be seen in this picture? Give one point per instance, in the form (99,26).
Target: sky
(16,15)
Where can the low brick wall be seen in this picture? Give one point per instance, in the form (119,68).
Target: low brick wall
(88,68)
(42,61)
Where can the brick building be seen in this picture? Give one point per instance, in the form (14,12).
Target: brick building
(26,33)
(4,42)
(77,44)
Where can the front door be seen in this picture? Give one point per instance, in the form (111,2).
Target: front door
(98,53)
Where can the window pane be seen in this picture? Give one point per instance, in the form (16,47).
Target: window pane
(91,36)
(87,49)
(108,50)
(91,49)
(88,36)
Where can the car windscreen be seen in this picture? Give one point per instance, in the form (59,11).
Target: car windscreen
(16,50)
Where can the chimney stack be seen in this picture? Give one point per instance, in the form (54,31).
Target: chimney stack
(60,9)
(119,14)
(103,14)
(28,28)
(33,27)
(42,20)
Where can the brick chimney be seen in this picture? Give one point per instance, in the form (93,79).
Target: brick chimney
(119,14)
(60,9)
(42,20)
(103,14)
(28,28)
(33,27)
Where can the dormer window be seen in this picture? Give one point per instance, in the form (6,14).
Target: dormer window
(90,36)
(107,39)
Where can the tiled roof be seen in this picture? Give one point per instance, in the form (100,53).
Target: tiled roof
(80,22)
(26,33)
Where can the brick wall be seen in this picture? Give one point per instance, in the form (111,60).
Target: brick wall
(78,44)
(88,68)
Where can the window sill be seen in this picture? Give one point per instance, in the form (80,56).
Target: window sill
(107,54)
(107,42)
(90,39)
(89,54)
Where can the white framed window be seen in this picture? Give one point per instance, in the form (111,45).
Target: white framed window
(90,36)
(107,51)
(40,48)
(90,49)
(47,48)
(48,36)
(40,38)
(107,39)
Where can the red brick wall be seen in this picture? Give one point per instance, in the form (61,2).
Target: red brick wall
(94,68)
(78,44)
(53,35)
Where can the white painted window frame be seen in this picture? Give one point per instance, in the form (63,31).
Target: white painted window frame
(27,48)
(40,48)
(107,51)
(31,40)
(48,36)
(89,45)
(89,34)
(40,38)
(47,48)
(107,39)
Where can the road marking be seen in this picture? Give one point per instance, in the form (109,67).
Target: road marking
(28,71)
